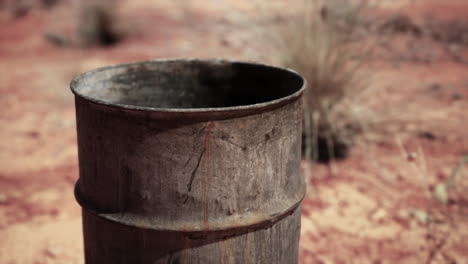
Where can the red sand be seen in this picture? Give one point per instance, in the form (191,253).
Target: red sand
(365,210)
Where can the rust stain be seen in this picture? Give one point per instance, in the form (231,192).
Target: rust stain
(204,179)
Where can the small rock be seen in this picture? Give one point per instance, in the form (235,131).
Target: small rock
(435,87)
(53,251)
(426,135)
(56,39)
(411,156)
(403,214)
(441,193)
(225,42)
(456,96)
(379,215)
(421,216)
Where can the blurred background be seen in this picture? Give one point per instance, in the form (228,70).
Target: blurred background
(385,124)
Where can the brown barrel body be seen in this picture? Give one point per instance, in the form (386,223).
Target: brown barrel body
(189,161)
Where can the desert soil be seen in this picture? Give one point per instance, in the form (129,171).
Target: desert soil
(376,206)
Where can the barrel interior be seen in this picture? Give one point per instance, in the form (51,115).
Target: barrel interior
(187,84)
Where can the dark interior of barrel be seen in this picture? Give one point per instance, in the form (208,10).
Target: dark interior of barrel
(189,84)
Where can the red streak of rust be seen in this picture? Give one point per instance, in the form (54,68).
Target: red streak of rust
(204,180)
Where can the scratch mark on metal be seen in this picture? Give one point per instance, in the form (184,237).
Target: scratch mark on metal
(195,146)
(226,139)
(194,172)
(187,162)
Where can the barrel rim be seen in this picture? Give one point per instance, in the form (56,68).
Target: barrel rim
(258,106)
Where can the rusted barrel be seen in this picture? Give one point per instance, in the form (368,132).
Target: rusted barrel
(189,161)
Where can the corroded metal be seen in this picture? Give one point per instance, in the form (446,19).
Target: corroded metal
(189,161)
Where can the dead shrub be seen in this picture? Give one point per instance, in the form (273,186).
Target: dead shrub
(325,42)
(96,23)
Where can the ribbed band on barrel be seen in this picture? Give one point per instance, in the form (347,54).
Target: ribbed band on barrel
(234,223)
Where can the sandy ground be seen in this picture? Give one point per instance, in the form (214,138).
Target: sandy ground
(376,206)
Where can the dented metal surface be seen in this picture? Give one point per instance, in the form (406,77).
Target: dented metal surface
(205,148)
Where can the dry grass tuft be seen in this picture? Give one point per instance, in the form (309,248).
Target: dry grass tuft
(96,23)
(324,41)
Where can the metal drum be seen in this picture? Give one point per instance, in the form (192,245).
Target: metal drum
(190,161)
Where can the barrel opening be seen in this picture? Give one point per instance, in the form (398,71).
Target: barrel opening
(186,84)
